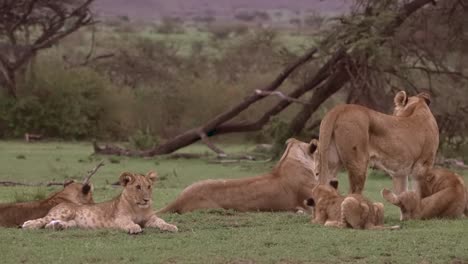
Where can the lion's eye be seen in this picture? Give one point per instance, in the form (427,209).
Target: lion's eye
(138,187)
(149,186)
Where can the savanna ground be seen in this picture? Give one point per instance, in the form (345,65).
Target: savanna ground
(211,236)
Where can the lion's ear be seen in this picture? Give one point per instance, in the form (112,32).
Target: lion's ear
(400,98)
(87,188)
(334,184)
(153,176)
(310,202)
(313,146)
(126,178)
(426,97)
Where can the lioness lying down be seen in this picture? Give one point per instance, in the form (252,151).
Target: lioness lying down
(15,214)
(130,211)
(445,195)
(354,211)
(283,189)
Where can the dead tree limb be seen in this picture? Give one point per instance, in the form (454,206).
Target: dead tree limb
(53,183)
(281,95)
(209,128)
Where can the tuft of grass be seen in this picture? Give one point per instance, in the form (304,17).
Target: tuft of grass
(20,156)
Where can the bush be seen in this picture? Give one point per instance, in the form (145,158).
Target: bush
(143,139)
(58,103)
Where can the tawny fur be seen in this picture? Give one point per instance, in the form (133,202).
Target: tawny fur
(130,211)
(352,211)
(401,144)
(444,196)
(283,189)
(15,214)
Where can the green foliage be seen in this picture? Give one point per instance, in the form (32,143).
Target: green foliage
(278,130)
(58,103)
(143,139)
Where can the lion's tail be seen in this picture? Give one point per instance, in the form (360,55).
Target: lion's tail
(325,137)
(173,207)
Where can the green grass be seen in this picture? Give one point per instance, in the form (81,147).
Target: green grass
(210,236)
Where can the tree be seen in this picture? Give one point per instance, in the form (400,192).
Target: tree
(28,26)
(349,52)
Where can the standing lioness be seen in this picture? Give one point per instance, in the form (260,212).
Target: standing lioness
(130,211)
(402,144)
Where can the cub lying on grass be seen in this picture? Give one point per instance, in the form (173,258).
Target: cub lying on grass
(130,211)
(354,210)
(283,189)
(15,214)
(445,195)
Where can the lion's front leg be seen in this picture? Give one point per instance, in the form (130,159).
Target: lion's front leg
(155,221)
(129,226)
(320,217)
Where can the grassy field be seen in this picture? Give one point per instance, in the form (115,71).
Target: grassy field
(211,236)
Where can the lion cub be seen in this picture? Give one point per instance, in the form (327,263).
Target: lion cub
(354,210)
(444,195)
(130,211)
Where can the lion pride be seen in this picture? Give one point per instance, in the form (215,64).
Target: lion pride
(353,211)
(401,144)
(283,189)
(444,195)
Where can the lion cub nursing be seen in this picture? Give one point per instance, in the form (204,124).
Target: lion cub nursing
(130,211)
(354,210)
(443,195)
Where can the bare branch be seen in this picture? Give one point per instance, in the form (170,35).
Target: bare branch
(280,95)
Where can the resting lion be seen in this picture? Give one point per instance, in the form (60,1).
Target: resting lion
(130,211)
(402,144)
(353,211)
(15,214)
(444,195)
(283,189)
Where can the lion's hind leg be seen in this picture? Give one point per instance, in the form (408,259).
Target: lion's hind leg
(56,213)
(354,213)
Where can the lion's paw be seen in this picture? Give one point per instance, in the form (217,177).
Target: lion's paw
(136,229)
(170,228)
(56,225)
(30,224)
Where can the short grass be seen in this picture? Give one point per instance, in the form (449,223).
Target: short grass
(210,236)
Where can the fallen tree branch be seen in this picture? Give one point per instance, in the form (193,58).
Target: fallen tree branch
(13,183)
(209,128)
(53,183)
(281,95)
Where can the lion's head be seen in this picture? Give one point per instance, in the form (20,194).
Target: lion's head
(405,106)
(76,193)
(299,160)
(138,189)
(408,202)
(323,191)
